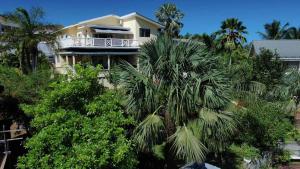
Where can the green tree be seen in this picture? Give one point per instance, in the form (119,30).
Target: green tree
(208,40)
(21,88)
(170,16)
(232,34)
(267,123)
(78,124)
(178,96)
(274,30)
(25,37)
(293,33)
(267,68)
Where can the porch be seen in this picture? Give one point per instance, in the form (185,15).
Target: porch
(98,43)
(107,61)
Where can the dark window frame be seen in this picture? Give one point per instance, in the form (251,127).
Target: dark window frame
(145,32)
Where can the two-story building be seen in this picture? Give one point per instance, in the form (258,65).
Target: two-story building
(104,40)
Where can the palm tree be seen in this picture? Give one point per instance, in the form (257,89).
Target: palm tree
(232,34)
(208,40)
(169,16)
(289,89)
(178,96)
(274,30)
(293,33)
(25,38)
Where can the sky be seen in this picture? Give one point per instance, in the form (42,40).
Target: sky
(201,16)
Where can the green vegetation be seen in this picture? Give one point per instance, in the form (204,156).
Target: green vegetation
(274,30)
(78,124)
(170,16)
(178,96)
(23,40)
(201,99)
(267,68)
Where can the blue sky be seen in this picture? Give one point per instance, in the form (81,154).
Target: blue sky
(201,16)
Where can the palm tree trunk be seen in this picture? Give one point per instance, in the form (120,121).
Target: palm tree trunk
(169,155)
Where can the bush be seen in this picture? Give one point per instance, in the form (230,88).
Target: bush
(263,124)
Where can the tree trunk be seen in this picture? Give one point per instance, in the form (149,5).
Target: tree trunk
(170,159)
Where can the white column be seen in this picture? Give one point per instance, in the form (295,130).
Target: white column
(299,66)
(67,60)
(108,62)
(73,57)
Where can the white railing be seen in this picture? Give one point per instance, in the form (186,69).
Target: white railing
(97,42)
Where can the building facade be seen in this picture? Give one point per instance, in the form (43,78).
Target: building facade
(6,25)
(104,40)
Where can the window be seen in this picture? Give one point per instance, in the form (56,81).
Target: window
(144,32)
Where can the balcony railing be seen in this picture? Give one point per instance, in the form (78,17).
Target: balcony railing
(98,42)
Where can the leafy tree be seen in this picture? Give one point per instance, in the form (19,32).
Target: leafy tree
(274,30)
(24,39)
(240,72)
(267,68)
(178,96)
(20,88)
(232,34)
(170,16)
(78,124)
(262,124)
(293,33)
(9,59)
(25,88)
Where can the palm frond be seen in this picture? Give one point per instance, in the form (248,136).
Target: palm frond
(216,128)
(149,132)
(187,146)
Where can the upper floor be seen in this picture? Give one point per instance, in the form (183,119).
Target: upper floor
(6,25)
(110,31)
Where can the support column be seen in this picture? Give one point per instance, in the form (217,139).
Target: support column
(73,57)
(108,62)
(67,59)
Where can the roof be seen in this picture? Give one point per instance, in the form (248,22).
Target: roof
(135,14)
(286,49)
(128,16)
(5,22)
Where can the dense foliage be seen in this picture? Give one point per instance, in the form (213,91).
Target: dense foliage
(20,88)
(200,99)
(178,96)
(78,124)
(170,16)
(267,68)
(263,125)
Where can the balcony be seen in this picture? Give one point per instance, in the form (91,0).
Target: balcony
(98,43)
